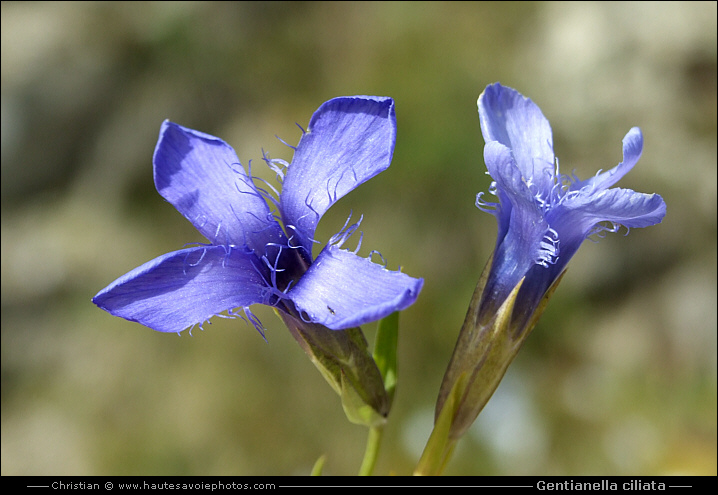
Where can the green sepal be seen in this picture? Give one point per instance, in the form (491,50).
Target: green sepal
(486,346)
(440,446)
(343,359)
(356,409)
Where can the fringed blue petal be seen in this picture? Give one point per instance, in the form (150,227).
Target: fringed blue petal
(202,177)
(578,217)
(342,290)
(632,149)
(523,243)
(184,288)
(516,122)
(349,140)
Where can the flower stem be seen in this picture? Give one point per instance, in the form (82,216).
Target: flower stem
(371,453)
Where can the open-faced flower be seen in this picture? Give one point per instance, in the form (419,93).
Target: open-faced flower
(260,248)
(543,217)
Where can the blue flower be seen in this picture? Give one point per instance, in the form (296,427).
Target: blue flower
(260,248)
(544,216)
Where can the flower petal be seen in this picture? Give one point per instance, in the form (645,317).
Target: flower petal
(632,149)
(349,140)
(342,290)
(516,122)
(520,247)
(621,206)
(203,178)
(509,180)
(180,289)
(526,221)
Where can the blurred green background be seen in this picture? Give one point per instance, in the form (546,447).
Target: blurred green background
(618,378)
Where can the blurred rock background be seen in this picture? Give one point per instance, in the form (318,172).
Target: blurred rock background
(619,377)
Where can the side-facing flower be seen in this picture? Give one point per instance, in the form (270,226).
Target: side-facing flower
(543,217)
(260,247)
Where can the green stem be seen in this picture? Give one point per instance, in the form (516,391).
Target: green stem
(371,453)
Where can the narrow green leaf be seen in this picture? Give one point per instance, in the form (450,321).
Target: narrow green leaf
(319,466)
(385,346)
